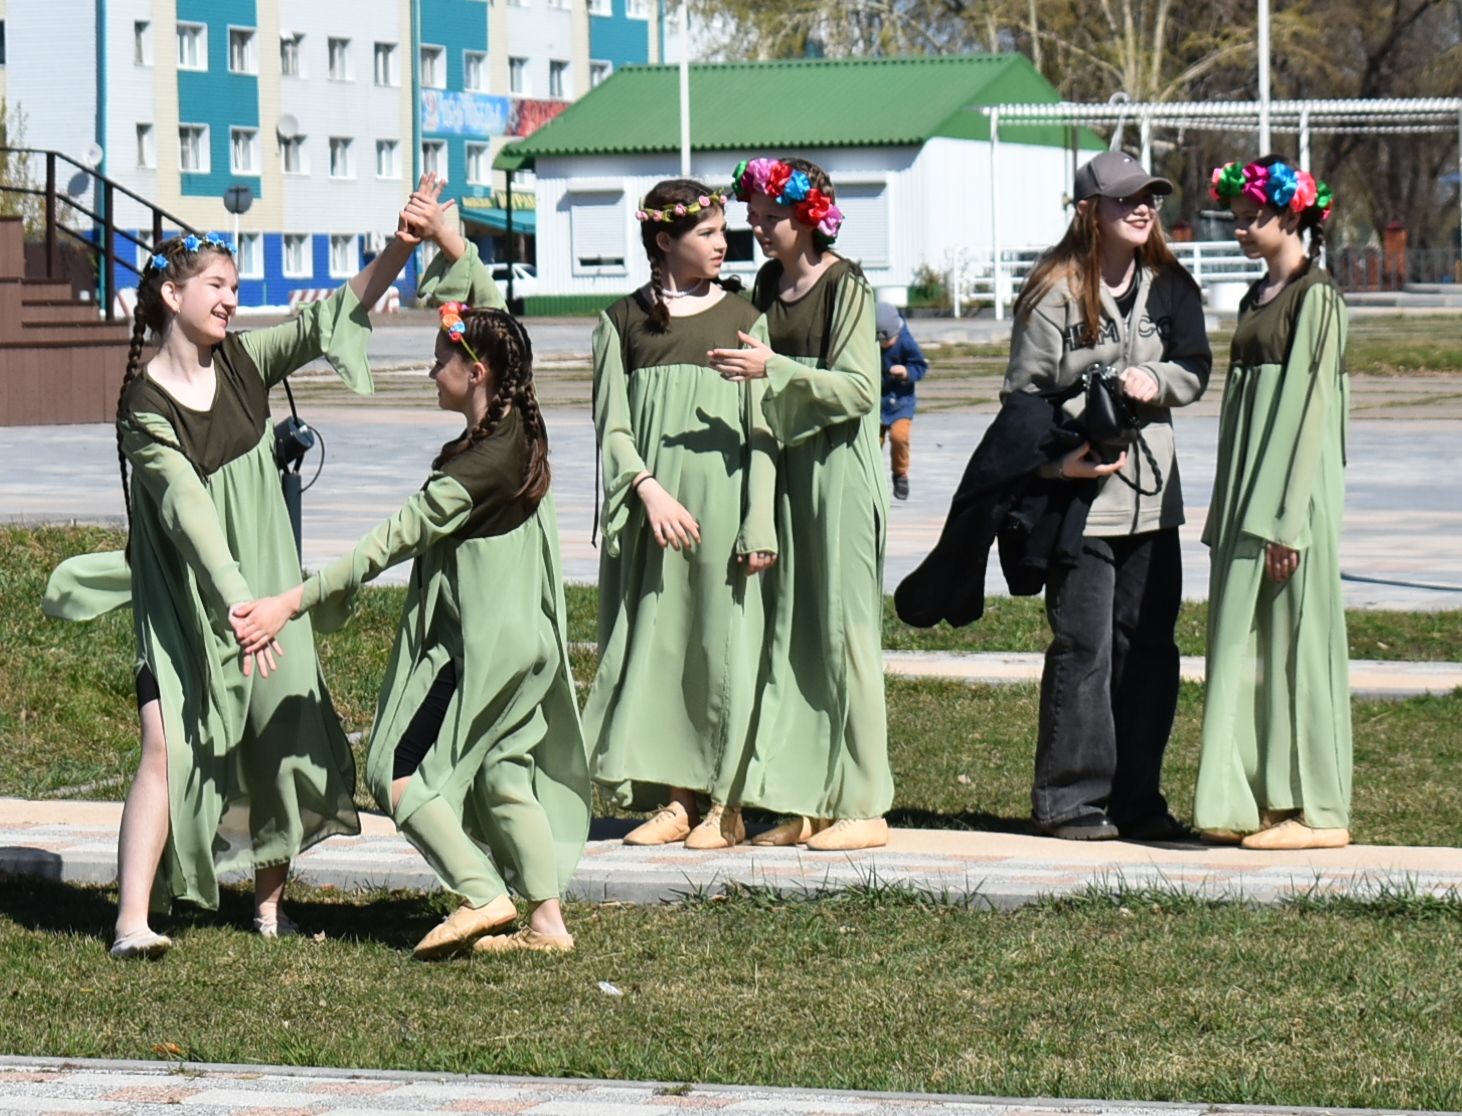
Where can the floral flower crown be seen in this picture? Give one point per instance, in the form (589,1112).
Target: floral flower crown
(455,328)
(677,211)
(1278,185)
(787,186)
(159,261)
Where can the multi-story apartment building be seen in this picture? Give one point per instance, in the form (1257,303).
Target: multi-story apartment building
(326,110)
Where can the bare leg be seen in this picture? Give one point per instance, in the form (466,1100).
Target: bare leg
(144,829)
(547,918)
(269,892)
(687,799)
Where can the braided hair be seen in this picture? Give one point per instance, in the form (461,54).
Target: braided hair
(666,195)
(175,261)
(502,343)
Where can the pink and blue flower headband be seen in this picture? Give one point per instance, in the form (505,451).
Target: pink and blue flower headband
(1277,185)
(786,185)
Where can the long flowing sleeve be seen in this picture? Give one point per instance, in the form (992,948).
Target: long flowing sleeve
(758,524)
(800,401)
(338,329)
(1306,414)
(185,509)
(432,514)
(620,455)
(463,280)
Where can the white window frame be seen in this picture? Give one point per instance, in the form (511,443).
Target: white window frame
(295,43)
(394,146)
(250,261)
(308,270)
(254,167)
(251,50)
(481,154)
(519,84)
(146,146)
(442,164)
(437,70)
(392,68)
(345,146)
(600,235)
(142,42)
(560,5)
(563,72)
(637,9)
(599,72)
(199,33)
(296,143)
(474,59)
(204,143)
(346,70)
(601,7)
(351,244)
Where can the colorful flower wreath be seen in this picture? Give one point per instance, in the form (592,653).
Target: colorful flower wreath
(1278,185)
(787,186)
(676,212)
(455,328)
(190,243)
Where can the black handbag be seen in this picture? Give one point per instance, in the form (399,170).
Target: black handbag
(1112,422)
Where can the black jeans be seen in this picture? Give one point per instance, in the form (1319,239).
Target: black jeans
(1110,686)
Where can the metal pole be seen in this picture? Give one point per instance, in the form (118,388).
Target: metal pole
(1457,274)
(51,261)
(1305,140)
(1146,133)
(109,253)
(995,215)
(512,246)
(1264,77)
(685,88)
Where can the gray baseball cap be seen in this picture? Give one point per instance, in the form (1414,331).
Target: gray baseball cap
(1115,174)
(886,320)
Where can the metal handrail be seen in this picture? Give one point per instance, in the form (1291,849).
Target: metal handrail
(106,219)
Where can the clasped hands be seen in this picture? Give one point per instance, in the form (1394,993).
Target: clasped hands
(257,624)
(424,217)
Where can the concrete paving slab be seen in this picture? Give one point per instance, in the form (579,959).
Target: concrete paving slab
(75,842)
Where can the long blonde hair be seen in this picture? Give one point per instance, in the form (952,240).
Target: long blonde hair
(1077,260)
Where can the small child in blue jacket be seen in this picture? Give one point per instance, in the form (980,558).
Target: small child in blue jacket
(903,366)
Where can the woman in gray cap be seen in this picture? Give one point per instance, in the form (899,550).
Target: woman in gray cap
(1111,293)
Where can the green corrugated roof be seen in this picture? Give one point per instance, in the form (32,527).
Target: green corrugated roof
(795,105)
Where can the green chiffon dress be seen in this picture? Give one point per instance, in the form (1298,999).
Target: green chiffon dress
(680,632)
(502,796)
(822,735)
(1276,723)
(258,768)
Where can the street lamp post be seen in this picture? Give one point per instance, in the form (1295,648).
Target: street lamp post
(1263,77)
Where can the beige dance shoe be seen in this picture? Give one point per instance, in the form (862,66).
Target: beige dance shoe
(277,925)
(721,828)
(1295,834)
(143,945)
(670,824)
(465,925)
(793,831)
(850,833)
(526,938)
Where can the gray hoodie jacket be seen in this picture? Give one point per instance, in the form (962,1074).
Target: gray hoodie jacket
(1165,335)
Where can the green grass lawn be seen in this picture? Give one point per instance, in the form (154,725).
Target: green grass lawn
(1135,996)
(961,755)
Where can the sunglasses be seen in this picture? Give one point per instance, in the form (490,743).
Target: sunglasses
(1151,201)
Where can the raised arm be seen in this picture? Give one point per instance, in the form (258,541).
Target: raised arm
(457,274)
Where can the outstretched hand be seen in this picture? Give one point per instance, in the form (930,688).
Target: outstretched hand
(746,363)
(424,217)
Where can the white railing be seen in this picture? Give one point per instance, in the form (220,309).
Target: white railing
(971,275)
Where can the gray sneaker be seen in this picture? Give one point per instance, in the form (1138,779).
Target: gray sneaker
(900,487)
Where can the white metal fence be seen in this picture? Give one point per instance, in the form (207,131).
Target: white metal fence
(1218,266)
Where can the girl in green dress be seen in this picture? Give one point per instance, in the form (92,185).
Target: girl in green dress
(1275,767)
(240,768)
(821,751)
(688,486)
(476,750)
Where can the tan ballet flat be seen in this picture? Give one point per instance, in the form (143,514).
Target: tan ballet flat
(670,823)
(1295,834)
(793,831)
(456,932)
(141,944)
(850,833)
(526,938)
(721,828)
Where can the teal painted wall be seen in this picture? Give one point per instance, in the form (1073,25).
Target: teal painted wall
(216,97)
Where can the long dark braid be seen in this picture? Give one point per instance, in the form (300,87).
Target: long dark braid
(662,196)
(176,260)
(502,343)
